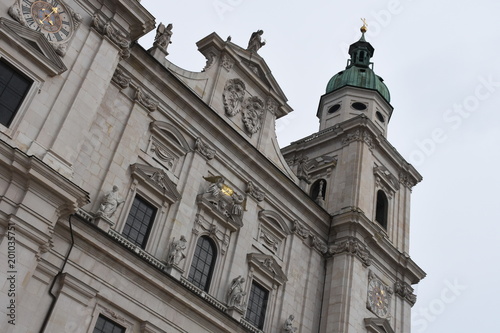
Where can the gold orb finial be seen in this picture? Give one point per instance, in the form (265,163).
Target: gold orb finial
(364,28)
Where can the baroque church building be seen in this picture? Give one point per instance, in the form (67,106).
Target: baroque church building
(136,196)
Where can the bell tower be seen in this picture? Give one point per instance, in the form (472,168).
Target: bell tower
(350,169)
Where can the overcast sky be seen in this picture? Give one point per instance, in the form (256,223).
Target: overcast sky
(440,61)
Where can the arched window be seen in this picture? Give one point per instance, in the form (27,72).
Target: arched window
(203,263)
(381,209)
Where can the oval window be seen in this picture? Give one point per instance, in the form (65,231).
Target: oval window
(380,117)
(334,108)
(358,106)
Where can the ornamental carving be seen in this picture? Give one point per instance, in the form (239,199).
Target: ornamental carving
(211,58)
(352,246)
(204,149)
(121,79)
(319,245)
(163,154)
(227,62)
(255,192)
(232,96)
(146,100)
(300,230)
(405,291)
(117,37)
(271,106)
(406,179)
(225,200)
(359,135)
(213,230)
(385,179)
(252,114)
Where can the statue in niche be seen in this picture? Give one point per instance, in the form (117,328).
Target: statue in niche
(288,326)
(320,197)
(163,36)
(175,252)
(110,203)
(252,114)
(235,293)
(233,94)
(255,42)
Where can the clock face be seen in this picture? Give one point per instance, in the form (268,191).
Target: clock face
(49,17)
(378,298)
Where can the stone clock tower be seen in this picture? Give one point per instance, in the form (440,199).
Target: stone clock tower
(354,173)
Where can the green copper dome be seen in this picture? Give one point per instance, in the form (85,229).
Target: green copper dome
(358,72)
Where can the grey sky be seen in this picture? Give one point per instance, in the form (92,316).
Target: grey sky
(440,63)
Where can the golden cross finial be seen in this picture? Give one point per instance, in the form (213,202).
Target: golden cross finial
(364,28)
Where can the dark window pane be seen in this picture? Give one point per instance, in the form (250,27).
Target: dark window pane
(257,305)
(203,263)
(13,88)
(138,223)
(104,325)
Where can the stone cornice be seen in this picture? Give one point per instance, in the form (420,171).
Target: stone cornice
(30,168)
(353,221)
(360,129)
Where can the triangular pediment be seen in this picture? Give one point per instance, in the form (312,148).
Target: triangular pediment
(157,179)
(267,265)
(33,44)
(249,63)
(378,325)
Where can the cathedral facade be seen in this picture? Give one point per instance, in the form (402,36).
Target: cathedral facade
(136,196)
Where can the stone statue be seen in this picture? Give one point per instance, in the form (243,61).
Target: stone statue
(216,187)
(288,326)
(255,42)
(237,208)
(303,169)
(163,35)
(175,254)
(110,203)
(235,293)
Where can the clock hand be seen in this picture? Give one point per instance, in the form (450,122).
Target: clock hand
(54,10)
